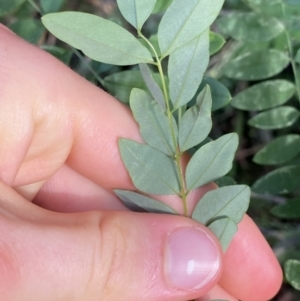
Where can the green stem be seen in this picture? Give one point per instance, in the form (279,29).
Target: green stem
(35,6)
(178,154)
(98,78)
(291,53)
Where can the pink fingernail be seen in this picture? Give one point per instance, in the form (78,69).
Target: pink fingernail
(192,258)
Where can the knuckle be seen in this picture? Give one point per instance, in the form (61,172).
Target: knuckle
(113,250)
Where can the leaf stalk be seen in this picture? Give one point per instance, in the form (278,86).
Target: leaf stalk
(177,157)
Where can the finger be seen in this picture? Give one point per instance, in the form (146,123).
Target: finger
(95,256)
(68,191)
(51,102)
(238,281)
(57,125)
(251,271)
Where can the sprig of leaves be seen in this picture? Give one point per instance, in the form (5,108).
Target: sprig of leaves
(173,110)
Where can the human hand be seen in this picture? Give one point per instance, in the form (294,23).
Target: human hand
(63,233)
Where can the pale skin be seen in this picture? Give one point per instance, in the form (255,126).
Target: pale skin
(63,234)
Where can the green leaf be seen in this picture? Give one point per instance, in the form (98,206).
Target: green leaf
(270,8)
(51,6)
(186,68)
(293,27)
(184,21)
(211,161)
(231,201)
(161,5)
(250,26)
(153,122)
(196,123)
(29,29)
(297,57)
(99,39)
(277,118)
(152,85)
(292,2)
(292,273)
(136,12)
(9,6)
(220,94)
(225,181)
(264,95)
(216,42)
(289,210)
(280,150)
(256,65)
(279,181)
(138,202)
(120,84)
(150,170)
(224,229)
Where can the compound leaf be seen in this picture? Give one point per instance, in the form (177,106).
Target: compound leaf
(138,202)
(264,95)
(256,65)
(136,12)
(184,21)
(231,201)
(152,85)
(279,181)
(186,68)
(153,122)
(100,39)
(196,122)
(292,273)
(289,210)
(224,229)
(211,161)
(150,170)
(277,118)
(250,27)
(279,151)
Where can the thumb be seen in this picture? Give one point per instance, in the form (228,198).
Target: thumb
(102,256)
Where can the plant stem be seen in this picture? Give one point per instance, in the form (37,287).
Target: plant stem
(35,6)
(178,154)
(98,78)
(291,53)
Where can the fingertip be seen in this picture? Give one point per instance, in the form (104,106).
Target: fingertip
(256,275)
(167,257)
